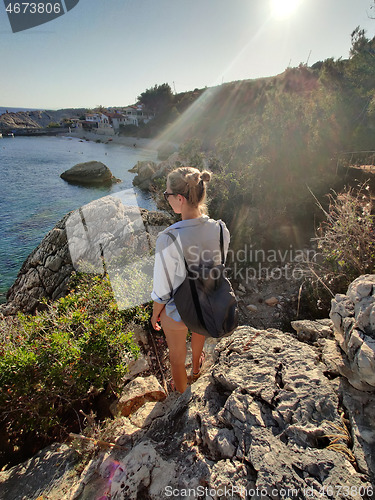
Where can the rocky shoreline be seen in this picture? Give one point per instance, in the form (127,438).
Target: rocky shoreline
(152,144)
(280,414)
(79,237)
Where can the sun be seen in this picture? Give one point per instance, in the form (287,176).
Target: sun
(283,8)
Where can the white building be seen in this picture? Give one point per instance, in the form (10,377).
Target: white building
(101,122)
(131,115)
(137,113)
(101,119)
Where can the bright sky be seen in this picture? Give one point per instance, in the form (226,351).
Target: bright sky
(106,52)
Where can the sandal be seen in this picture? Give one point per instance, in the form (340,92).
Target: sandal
(195,376)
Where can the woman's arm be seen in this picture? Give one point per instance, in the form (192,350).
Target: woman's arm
(165,264)
(156,310)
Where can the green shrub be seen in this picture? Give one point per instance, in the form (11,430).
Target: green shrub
(191,152)
(346,248)
(51,363)
(165,151)
(346,238)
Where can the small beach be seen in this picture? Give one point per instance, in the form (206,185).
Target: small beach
(131,142)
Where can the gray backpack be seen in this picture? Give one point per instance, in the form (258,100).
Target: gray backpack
(205,299)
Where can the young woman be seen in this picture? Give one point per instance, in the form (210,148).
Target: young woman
(199,238)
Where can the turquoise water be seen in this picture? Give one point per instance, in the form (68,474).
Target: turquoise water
(34,198)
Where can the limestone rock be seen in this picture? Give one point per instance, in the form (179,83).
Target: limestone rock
(144,414)
(136,366)
(144,469)
(89,173)
(261,419)
(137,393)
(36,119)
(360,408)
(145,171)
(134,170)
(44,274)
(221,443)
(37,474)
(147,413)
(311,331)
(341,307)
(353,316)
(148,171)
(127,432)
(361,288)
(17,120)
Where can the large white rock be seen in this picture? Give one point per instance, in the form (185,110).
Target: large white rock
(97,234)
(353,316)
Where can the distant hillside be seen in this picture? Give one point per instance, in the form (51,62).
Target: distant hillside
(4,109)
(36,119)
(271,142)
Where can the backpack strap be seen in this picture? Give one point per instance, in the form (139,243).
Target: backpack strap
(222,244)
(179,249)
(166,272)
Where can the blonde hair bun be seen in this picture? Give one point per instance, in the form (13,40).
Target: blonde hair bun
(206,176)
(190,183)
(192,179)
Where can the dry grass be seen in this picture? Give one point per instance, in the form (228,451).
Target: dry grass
(341,440)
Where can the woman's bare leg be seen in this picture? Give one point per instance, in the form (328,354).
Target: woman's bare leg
(175,333)
(197,344)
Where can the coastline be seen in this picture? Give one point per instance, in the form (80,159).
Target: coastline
(28,226)
(143,143)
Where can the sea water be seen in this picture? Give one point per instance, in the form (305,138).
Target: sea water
(34,197)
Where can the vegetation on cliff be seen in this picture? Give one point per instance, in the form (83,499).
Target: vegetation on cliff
(58,362)
(271,141)
(275,146)
(346,245)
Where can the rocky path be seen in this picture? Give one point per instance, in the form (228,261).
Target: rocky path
(267,416)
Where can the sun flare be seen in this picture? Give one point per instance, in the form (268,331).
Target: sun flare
(282,9)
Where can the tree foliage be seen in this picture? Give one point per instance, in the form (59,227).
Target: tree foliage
(157,98)
(275,139)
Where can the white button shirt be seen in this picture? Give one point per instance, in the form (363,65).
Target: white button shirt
(200,241)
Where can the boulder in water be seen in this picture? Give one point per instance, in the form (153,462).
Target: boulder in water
(89,173)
